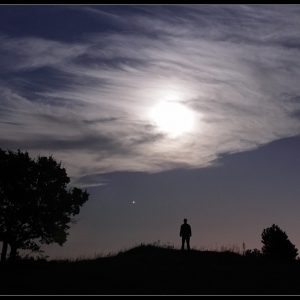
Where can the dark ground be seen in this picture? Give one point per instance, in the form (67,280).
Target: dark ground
(151,270)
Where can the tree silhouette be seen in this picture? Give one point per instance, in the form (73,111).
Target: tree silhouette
(35,204)
(277,245)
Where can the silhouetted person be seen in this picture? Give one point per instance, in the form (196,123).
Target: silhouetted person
(185,233)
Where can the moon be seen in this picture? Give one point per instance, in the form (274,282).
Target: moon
(172,118)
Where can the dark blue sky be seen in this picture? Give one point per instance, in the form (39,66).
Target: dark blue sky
(226,205)
(162,112)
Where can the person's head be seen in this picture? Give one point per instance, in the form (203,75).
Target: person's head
(185,221)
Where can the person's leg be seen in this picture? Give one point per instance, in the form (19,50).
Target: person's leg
(188,243)
(182,243)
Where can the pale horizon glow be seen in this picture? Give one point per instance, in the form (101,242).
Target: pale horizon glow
(172,118)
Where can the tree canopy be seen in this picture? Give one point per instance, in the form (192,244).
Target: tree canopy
(276,244)
(36,205)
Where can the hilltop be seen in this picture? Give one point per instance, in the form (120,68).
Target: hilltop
(153,270)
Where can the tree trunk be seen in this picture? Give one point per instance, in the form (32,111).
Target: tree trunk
(13,252)
(4,251)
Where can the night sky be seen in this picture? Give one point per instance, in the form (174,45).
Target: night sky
(162,112)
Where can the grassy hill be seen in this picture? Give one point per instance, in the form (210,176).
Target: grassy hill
(154,270)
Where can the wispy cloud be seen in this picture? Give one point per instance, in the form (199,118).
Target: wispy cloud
(236,67)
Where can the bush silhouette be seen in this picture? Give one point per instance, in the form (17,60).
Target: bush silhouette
(253,253)
(35,204)
(277,245)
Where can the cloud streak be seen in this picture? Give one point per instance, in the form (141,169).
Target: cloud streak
(236,67)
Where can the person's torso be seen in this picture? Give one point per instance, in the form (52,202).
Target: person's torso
(185,229)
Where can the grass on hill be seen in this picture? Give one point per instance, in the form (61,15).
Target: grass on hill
(152,269)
